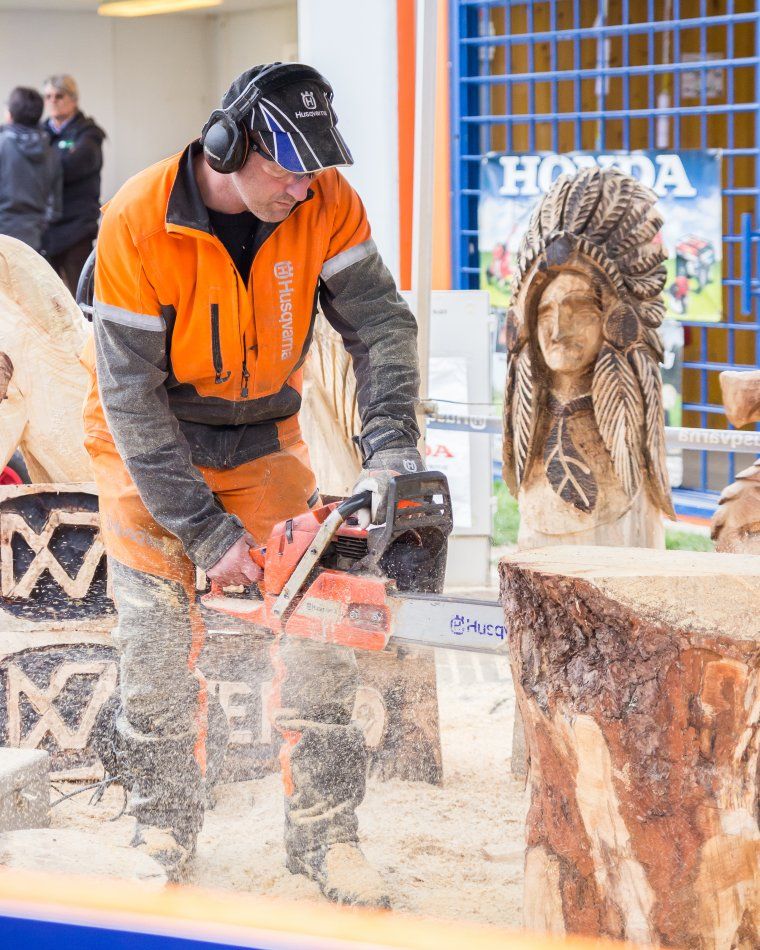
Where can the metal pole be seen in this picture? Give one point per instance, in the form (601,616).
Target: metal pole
(424,166)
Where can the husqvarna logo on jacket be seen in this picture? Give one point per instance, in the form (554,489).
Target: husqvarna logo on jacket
(283,272)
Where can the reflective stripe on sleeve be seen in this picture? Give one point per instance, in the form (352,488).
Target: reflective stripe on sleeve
(128,318)
(348,257)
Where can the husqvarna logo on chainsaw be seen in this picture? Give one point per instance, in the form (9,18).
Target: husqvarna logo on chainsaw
(283,272)
(308,99)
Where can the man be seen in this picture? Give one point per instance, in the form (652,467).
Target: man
(79,141)
(30,173)
(206,288)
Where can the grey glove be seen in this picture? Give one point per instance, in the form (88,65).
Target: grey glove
(377,472)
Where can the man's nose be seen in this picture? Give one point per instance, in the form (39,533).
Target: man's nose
(298,189)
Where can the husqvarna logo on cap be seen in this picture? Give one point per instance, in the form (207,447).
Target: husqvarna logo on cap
(308,99)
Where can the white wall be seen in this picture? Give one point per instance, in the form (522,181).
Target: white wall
(149,82)
(36,44)
(163,88)
(243,40)
(354,44)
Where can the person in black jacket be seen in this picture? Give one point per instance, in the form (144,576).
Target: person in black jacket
(79,140)
(30,171)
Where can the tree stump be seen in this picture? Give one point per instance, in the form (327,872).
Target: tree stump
(638,676)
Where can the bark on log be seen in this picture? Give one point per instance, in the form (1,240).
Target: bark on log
(638,676)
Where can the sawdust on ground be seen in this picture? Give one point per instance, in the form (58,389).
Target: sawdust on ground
(454,851)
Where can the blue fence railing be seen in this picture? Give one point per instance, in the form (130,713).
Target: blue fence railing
(573,75)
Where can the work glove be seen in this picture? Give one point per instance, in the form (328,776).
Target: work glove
(377,473)
(235,566)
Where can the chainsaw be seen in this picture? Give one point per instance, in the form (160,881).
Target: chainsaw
(327,579)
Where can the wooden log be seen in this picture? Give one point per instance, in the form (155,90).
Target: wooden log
(638,676)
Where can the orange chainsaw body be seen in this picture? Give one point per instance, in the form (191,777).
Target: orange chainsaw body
(351,610)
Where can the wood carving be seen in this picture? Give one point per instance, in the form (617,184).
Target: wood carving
(42,382)
(638,676)
(736,523)
(741,396)
(330,413)
(584,443)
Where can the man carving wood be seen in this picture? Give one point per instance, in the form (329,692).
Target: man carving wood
(209,268)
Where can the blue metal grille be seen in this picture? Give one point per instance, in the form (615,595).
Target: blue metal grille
(567,75)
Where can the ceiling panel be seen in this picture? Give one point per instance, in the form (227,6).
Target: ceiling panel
(90,6)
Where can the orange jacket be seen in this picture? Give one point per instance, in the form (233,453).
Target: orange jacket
(194,367)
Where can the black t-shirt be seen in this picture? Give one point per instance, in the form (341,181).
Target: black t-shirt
(238,234)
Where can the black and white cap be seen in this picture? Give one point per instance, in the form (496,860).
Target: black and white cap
(292,113)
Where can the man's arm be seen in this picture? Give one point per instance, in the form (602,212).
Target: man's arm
(131,359)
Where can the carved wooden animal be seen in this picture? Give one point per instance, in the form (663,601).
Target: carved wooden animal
(736,523)
(584,441)
(42,383)
(638,674)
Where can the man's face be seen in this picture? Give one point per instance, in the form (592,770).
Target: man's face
(269,190)
(60,105)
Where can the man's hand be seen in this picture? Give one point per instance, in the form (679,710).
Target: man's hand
(236,565)
(377,472)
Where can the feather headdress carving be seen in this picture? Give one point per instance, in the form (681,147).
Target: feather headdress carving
(601,221)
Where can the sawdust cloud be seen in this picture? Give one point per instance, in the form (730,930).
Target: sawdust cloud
(454,851)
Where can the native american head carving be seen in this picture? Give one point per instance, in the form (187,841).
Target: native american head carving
(584,317)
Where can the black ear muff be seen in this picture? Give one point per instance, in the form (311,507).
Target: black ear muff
(225,143)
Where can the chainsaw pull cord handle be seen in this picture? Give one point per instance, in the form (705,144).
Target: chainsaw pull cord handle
(317,548)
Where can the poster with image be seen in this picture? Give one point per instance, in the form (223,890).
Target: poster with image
(688,186)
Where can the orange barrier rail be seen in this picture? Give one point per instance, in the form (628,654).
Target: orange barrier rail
(47,911)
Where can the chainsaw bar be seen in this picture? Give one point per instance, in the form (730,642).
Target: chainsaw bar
(432,620)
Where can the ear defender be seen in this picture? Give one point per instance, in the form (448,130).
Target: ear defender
(225,143)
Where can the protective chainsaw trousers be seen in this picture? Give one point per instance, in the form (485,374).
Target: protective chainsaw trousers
(162,722)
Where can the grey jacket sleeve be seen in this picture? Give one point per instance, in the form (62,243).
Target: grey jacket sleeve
(131,367)
(359,298)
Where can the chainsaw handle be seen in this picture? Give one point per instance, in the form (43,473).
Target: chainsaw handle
(353,504)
